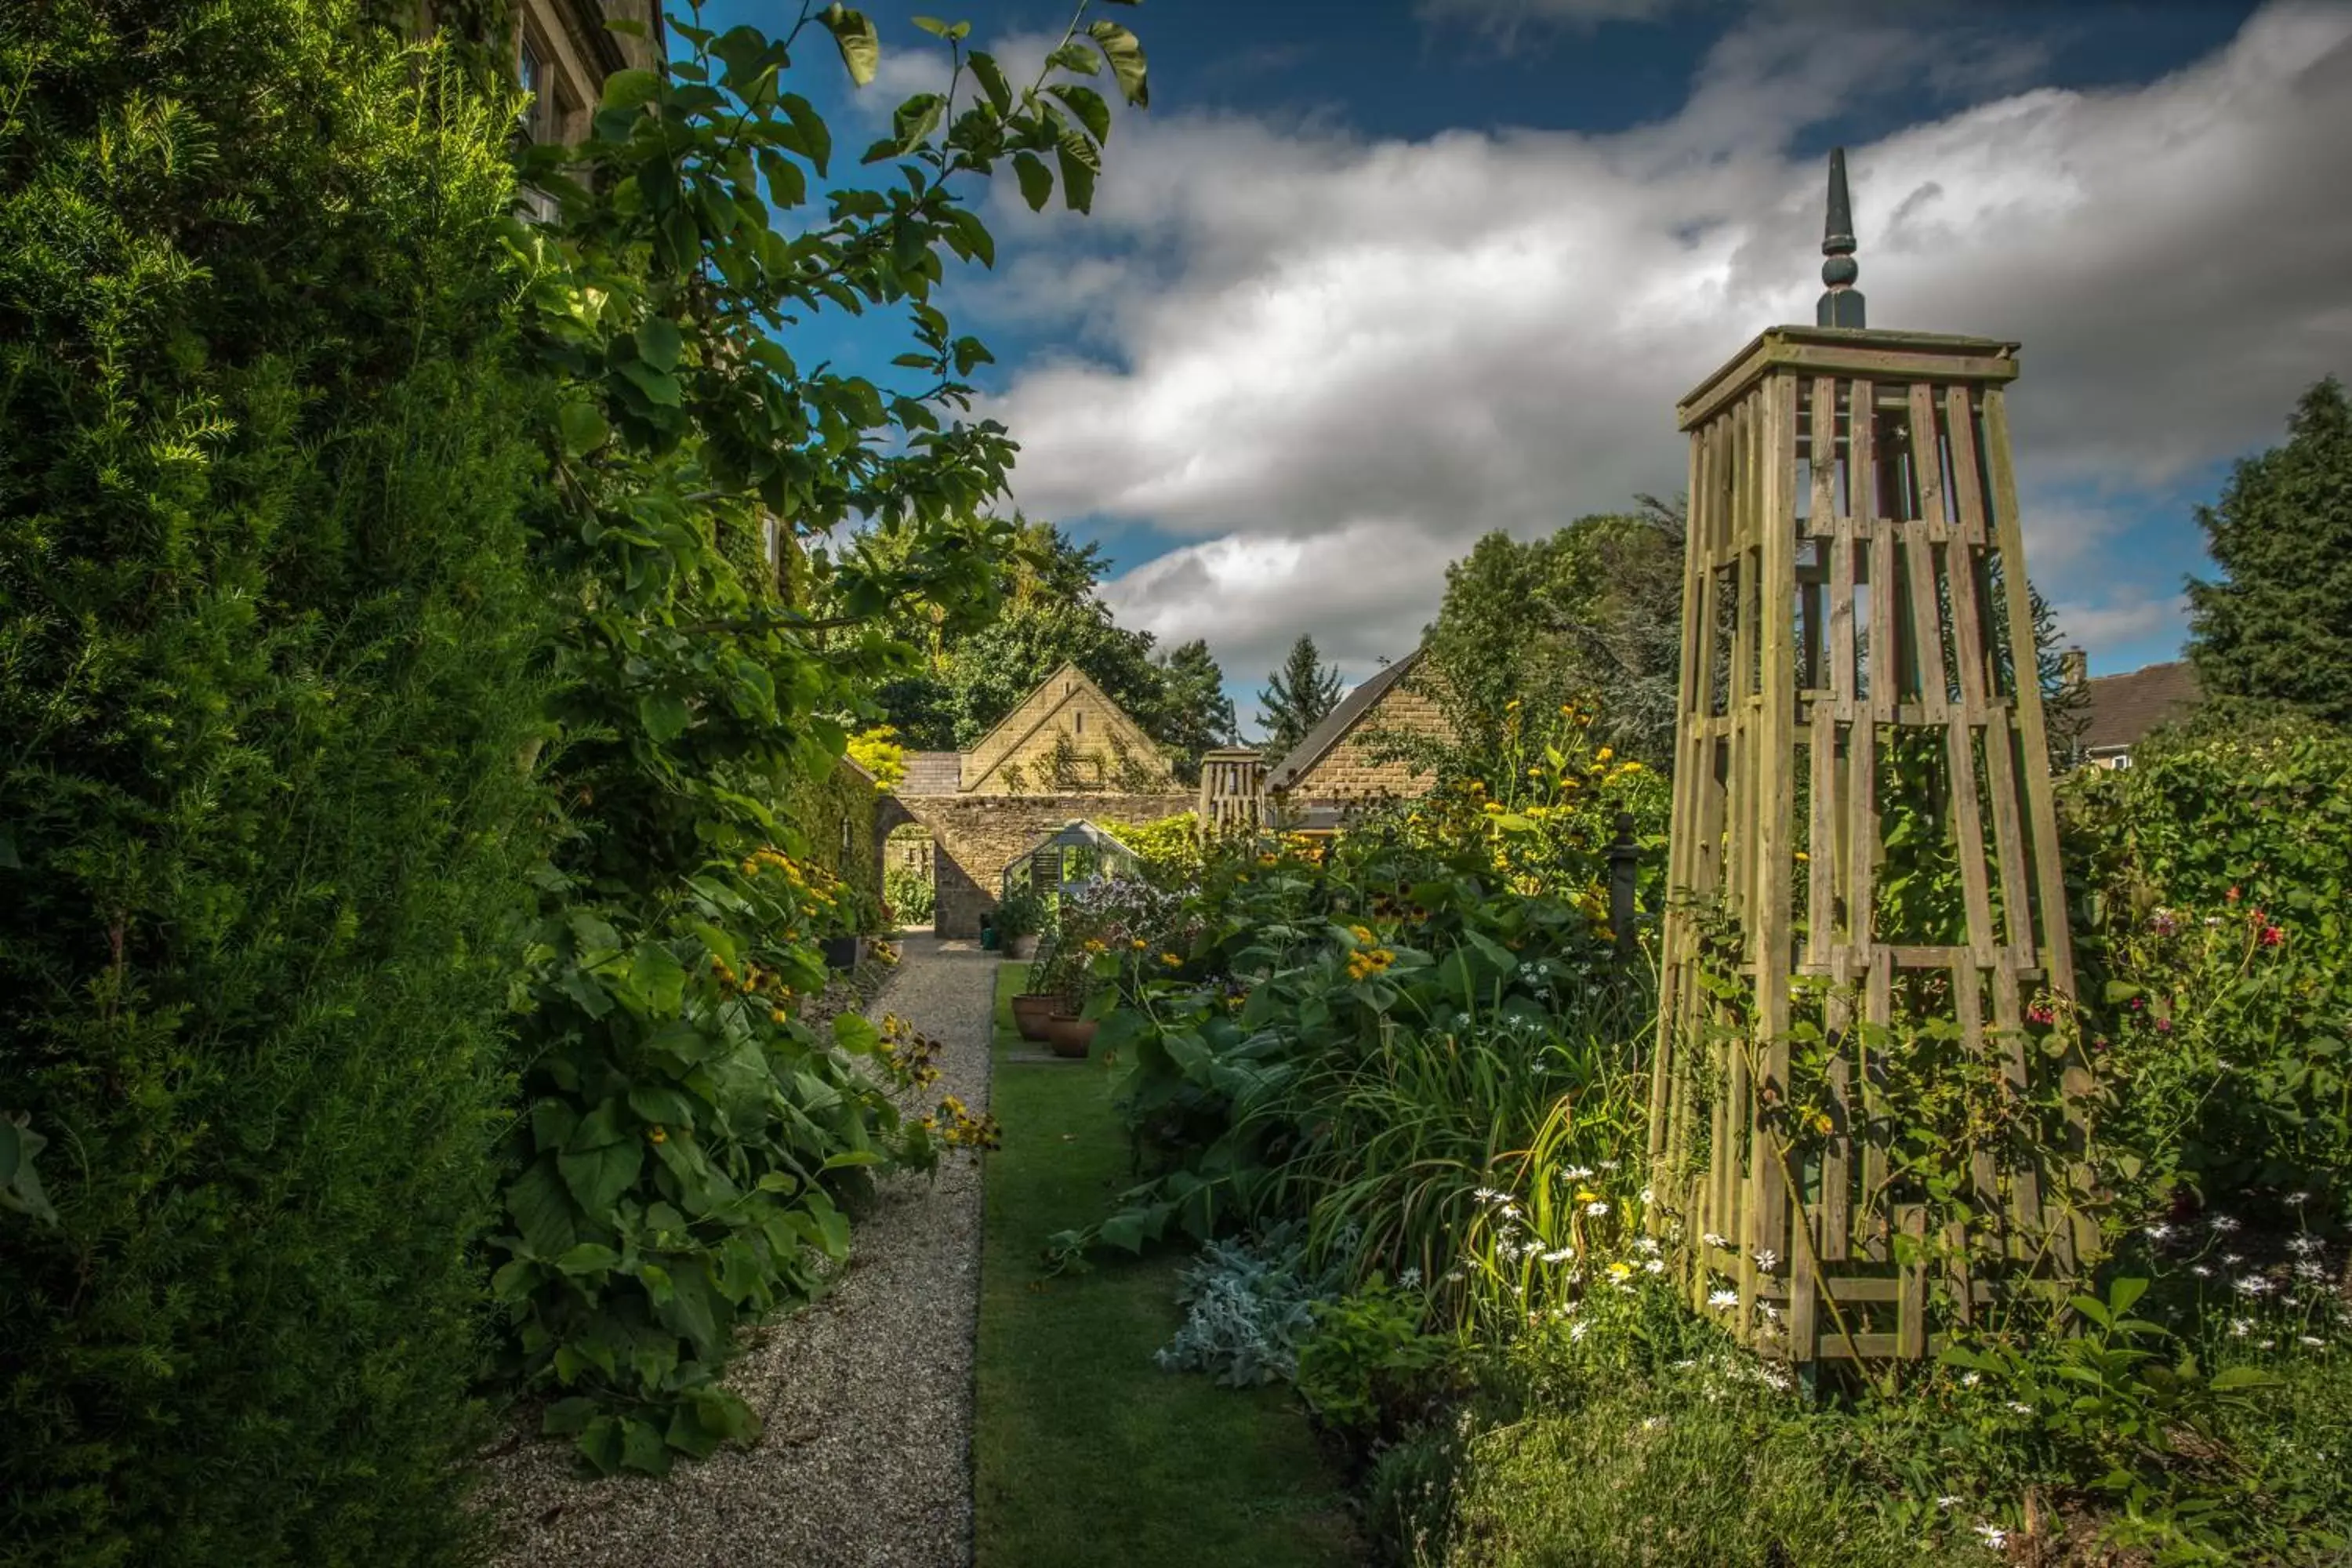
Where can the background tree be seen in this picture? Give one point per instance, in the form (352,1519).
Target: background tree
(953,691)
(1297,697)
(2277,625)
(1195,715)
(1591,616)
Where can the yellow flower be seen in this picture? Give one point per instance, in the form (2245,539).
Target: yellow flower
(1094,944)
(1603,754)
(1137,943)
(778,1016)
(1585,1195)
(1495,808)
(1361,934)
(656,1135)
(1171,961)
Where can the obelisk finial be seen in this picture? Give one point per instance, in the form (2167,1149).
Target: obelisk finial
(1842,306)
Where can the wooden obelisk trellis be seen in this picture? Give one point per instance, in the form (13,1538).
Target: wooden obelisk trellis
(1854,575)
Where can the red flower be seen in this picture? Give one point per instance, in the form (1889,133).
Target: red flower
(2231,895)
(2164,1026)
(2038,1015)
(2272,936)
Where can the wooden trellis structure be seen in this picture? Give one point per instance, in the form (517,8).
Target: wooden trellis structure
(1854,585)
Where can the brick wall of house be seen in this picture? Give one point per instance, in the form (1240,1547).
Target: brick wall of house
(1347,772)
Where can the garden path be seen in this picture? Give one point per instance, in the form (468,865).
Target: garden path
(865,1459)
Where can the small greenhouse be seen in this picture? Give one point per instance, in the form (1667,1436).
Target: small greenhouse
(1066,860)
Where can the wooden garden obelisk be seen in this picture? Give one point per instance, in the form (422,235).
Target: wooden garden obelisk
(1857,640)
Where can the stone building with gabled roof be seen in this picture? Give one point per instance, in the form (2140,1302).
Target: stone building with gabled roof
(1064,752)
(1336,767)
(1066,735)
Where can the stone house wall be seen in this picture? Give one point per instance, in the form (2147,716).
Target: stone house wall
(1347,772)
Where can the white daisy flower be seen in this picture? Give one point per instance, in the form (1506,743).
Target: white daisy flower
(1720,1300)
(1766,1260)
(1992,1535)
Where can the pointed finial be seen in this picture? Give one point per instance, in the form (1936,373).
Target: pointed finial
(1842,306)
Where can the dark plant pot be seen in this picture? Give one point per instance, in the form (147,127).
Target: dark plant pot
(1019,946)
(1070,1037)
(841,952)
(1029,1011)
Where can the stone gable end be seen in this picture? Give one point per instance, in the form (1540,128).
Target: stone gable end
(1066,706)
(1347,772)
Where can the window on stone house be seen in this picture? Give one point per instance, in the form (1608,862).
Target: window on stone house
(539,80)
(1079,719)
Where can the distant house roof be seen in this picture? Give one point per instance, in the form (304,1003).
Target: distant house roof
(1318,742)
(933,772)
(2124,708)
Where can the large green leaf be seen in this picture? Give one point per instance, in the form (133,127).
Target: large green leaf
(598,1177)
(541,1207)
(657,978)
(1124,53)
(861,50)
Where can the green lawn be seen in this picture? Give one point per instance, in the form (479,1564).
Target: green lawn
(1087,1453)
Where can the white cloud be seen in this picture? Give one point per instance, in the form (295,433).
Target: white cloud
(2129,620)
(1335,362)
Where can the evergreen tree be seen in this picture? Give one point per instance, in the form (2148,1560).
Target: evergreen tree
(2278,625)
(1297,697)
(1195,713)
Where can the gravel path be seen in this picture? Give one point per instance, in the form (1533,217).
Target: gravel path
(866,1455)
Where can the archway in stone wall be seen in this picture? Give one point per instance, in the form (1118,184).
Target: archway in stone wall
(975,836)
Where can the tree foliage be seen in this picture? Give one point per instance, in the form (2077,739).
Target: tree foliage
(690,1140)
(268,644)
(1590,616)
(961,688)
(2277,624)
(1298,696)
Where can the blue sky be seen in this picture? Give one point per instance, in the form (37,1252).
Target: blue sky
(1370,280)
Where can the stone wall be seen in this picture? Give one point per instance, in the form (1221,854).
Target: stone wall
(975,836)
(1347,772)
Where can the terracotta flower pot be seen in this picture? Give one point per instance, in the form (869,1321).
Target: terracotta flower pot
(1019,946)
(1070,1037)
(1029,1011)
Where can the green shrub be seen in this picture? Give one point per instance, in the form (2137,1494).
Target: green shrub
(1022,914)
(1366,1357)
(912,897)
(1709,1474)
(2217,959)
(265,633)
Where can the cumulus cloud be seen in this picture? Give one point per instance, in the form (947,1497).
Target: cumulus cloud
(1330,363)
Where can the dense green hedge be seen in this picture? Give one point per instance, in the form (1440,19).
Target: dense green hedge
(264,685)
(2212,876)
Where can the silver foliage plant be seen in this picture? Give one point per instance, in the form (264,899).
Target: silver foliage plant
(1247,1306)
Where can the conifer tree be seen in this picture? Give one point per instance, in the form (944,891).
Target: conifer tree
(1297,695)
(2277,626)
